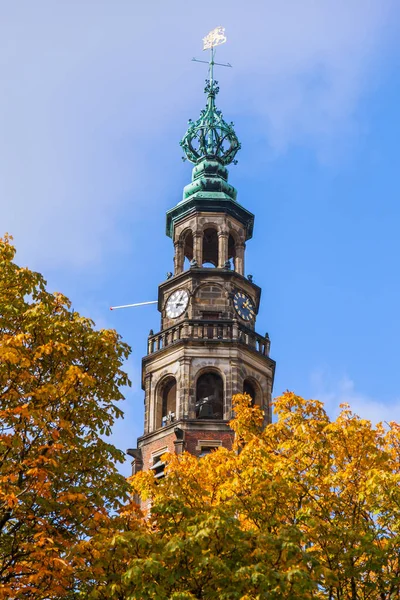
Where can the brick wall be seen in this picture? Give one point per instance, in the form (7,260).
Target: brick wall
(148,450)
(191,445)
(193,437)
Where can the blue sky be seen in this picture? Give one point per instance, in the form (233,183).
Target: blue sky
(95,98)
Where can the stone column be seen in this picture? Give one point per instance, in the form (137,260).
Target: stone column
(222,248)
(184,390)
(239,260)
(198,247)
(148,413)
(179,257)
(232,387)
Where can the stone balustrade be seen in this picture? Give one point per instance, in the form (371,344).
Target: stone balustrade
(214,330)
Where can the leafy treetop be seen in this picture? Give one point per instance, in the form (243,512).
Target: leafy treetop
(60,382)
(306,508)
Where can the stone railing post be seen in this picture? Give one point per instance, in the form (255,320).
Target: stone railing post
(222,248)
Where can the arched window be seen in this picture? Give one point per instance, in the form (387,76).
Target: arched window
(248,388)
(210,248)
(166,402)
(210,396)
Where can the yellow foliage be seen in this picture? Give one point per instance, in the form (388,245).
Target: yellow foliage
(60,384)
(306,508)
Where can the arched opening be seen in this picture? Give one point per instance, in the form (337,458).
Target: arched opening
(166,402)
(232,250)
(210,248)
(210,396)
(250,389)
(187,250)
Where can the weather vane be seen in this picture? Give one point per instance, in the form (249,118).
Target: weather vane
(216,37)
(211,137)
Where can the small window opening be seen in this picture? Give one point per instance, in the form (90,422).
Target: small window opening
(166,402)
(206,450)
(209,396)
(158,465)
(210,248)
(248,388)
(208,446)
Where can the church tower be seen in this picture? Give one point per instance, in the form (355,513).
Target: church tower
(207,348)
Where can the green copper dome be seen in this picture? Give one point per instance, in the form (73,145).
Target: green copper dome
(211,144)
(209,191)
(210,136)
(209,176)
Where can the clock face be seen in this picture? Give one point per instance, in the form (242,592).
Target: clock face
(177,303)
(244,306)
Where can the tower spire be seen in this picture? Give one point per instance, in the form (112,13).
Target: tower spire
(211,136)
(207,348)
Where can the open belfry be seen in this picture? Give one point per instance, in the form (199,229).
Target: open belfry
(207,348)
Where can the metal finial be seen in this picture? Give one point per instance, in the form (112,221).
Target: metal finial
(210,136)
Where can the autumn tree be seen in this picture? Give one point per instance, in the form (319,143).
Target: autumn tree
(60,382)
(309,507)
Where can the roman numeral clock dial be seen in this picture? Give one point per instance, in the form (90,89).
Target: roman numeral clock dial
(244,306)
(177,303)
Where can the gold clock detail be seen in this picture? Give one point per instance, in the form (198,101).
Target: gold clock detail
(244,306)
